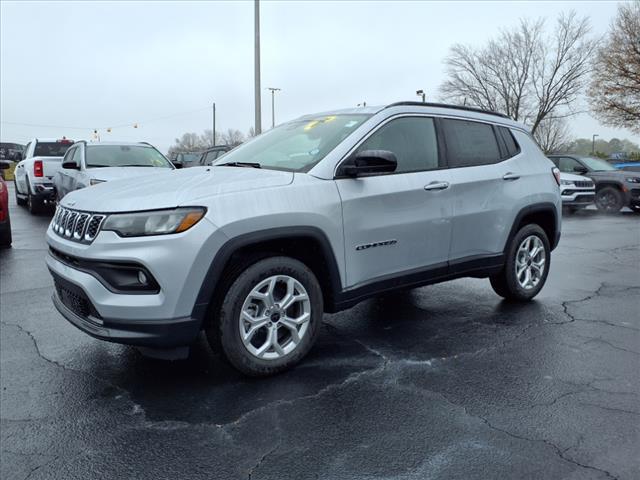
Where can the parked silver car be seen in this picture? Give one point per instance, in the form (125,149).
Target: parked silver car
(87,164)
(313,216)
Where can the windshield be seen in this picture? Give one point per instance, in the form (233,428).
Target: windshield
(296,146)
(124,156)
(51,149)
(596,164)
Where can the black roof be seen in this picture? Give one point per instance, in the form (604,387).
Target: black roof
(446,105)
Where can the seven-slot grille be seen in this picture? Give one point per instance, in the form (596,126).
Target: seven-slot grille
(583,184)
(78,226)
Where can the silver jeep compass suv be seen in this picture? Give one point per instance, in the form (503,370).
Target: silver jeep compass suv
(311,217)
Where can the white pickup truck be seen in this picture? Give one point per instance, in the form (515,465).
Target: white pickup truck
(41,160)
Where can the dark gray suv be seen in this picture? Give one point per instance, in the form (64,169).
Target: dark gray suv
(614,188)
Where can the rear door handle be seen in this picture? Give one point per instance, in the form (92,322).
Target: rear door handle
(437,186)
(510,176)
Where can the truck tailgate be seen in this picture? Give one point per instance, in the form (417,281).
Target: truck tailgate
(50,166)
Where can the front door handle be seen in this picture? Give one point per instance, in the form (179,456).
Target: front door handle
(436,186)
(510,176)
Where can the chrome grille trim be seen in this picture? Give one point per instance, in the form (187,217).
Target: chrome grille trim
(80,227)
(71,221)
(93,227)
(77,226)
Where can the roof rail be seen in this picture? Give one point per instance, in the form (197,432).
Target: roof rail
(445,105)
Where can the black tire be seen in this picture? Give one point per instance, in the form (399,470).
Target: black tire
(5,235)
(506,283)
(34,205)
(20,201)
(609,200)
(224,330)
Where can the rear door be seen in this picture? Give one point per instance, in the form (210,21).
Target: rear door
(484,186)
(398,223)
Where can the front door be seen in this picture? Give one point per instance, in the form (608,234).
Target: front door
(400,222)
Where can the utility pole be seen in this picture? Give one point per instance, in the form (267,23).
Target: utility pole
(421,93)
(593,144)
(258,120)
(214,125)
(273,114)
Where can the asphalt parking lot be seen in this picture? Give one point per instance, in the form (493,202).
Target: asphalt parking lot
(446,381)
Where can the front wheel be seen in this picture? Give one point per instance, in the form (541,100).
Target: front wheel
(609,200)
(526,266)
(270,316)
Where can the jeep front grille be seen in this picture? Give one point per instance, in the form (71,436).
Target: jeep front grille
(77,226)
(583,184)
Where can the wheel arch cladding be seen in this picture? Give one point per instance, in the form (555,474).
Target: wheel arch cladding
(543,214)
(306,244)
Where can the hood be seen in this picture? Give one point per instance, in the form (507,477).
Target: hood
(116,173)
(190,186)
(571,177)
(619,175)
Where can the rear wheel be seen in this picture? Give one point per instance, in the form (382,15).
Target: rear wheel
(526,266)
(34,205)
(609,200)
(270,316)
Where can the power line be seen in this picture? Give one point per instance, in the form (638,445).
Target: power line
(105,127)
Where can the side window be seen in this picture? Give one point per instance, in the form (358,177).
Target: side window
(470,143)
(509,145)
(567,164)
(69,156)
(411,139)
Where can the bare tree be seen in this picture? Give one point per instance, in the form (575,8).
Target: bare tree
(232,137)
(614,91)
(553,135)
(523,73)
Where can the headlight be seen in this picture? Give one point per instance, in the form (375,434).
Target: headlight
(95,181)
(632,180)
(566,182)
(157,222)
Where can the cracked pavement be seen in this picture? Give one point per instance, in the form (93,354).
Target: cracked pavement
(442,382)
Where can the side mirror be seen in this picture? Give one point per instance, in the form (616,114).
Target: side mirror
(18,156)
(70,165)
(369,162)
(580,169)
(177,164)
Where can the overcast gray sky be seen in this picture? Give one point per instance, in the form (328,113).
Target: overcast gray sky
(107,64)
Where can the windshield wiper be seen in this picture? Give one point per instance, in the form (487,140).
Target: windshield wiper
(134,165)
(240,164)
(91,165)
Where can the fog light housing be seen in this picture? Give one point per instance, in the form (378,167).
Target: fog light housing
(142,278)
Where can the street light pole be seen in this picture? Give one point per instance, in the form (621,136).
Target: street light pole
(421,93)
(273,114)
(593,144)
(258,119)
(214,125)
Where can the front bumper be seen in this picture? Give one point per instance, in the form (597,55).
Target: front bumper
(71,301)
(572,197)
(160,318)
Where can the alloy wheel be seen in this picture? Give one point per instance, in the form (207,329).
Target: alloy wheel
(530,262)
(275,317)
